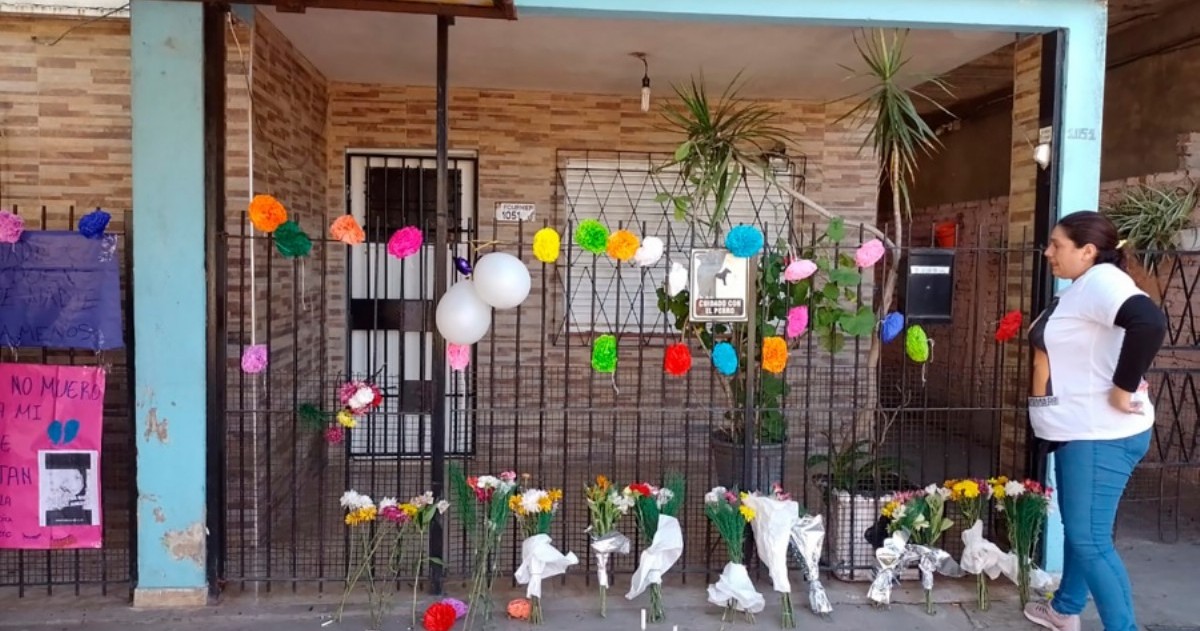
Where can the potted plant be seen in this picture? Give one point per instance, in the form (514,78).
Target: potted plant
(1155,221)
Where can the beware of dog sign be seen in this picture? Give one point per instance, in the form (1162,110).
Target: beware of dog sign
(720,285)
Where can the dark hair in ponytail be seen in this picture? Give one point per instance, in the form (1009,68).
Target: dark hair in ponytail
(1090,227)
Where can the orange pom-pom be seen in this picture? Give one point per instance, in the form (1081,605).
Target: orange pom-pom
(347,230)
(519,609)
(622,245)
(266,213)
(774,354)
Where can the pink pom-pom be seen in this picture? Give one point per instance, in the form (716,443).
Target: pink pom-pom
(11,227)
(334,435)
(254,359)
(405,242)
(869,253)
(798,270)
(459,356)
(797,321)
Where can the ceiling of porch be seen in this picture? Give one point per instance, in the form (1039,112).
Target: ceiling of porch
(593,55)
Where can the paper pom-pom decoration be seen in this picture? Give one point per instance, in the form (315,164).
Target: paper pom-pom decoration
(797,321)
(405,242)
(798,270)
(311,416)
(1010,325)
(460,607)
(290,240)
(650,252)
(891,326)
(916,344)
(604,354)
(725,358)
(774,355)
(11,227)
(592,236)
(678,360)
(519,609)
(869,253)
(93,224)
(546,244)
(439,617)
(347,230)
(266,213)
(744,241)
(254,359)
(334,435)
(677,279)
(622,245)
(463,266)
(458,356)
(346,419)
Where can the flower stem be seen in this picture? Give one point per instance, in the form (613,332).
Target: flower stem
(657,614)
(417,583)
(982,587)
(535,610)
(603,601)
(789,614)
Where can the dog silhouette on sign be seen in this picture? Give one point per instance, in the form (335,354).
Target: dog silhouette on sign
(723,276)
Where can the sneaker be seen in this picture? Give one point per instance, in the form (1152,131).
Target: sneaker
(1043,615)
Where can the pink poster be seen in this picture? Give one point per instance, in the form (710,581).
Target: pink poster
(51,423)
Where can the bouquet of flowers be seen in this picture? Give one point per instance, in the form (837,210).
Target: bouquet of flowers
(361,515)
(922,516)
(415,516)
(656,510)
(606,506)
(980,556)
(729,513)
(535,509)
(1025,506)
(482,504)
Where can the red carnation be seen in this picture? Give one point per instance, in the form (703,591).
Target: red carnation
(678,359)
(439,617)
(1010,325)
(641,488)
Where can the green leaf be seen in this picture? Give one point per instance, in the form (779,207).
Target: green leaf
(831,341)
(830,291)
(860,324)
(845,277)
(836,230)
(681,208)
(683,151)
(436,561)
(662,197)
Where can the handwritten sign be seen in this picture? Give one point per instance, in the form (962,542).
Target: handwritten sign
(51,423)
(59,289)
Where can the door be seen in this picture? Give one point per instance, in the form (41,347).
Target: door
(391,307)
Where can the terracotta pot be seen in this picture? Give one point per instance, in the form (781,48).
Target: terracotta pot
(946,234)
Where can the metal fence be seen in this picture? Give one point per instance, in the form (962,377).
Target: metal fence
(111,568)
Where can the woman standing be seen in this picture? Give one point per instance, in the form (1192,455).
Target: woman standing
(1092,347)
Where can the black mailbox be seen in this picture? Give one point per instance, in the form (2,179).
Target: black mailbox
(929,285)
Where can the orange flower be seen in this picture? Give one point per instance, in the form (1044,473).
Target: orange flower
(347,230)
(519,609)
(266,213)
(774,354)
(602,482)
(622,245)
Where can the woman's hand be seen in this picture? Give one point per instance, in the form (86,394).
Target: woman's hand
(1123,401)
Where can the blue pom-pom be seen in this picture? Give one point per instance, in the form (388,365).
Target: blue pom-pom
(891,327)
(725,358)
(92,225)
(744,241)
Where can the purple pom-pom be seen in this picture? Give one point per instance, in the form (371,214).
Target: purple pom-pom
(93,224)
(11,227)
(254,359)
(463,265)
(460,607)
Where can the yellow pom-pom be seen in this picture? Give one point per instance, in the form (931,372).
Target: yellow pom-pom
(546,244)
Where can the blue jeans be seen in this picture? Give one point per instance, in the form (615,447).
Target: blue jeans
(1091,478)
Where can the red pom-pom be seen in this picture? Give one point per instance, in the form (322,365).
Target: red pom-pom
(678,360)
(334,435)
(439,617)
(1010,325)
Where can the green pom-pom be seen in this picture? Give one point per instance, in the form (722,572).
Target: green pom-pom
(592,236)
(291,241)
(311,417)
(916,343)
(604,354)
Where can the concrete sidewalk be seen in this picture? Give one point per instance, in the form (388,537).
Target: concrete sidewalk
(1165,580)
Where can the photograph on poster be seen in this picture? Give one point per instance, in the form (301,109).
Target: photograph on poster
(67,495)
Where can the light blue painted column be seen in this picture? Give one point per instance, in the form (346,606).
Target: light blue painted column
(1077,143)
(169,300)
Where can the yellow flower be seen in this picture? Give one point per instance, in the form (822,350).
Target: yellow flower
(360,516)
(747,512)
(998,491)
(411,509)
(514,505)
(889,509)
(346,419)
(545,504)
(556,495)
(969,489)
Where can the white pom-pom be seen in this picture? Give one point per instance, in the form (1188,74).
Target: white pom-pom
(650,251)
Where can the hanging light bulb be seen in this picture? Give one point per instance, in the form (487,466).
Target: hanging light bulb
(645,82)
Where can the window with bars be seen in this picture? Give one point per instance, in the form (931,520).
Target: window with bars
(621,191)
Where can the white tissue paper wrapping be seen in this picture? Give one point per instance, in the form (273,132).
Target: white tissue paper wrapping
(540,560)
(772,525)
(604,546)
(809,536)
(1039,579)
(664,551)
(981,556)
(735,585)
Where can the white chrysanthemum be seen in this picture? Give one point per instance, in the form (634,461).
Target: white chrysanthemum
(650,251)
(1014,489)
(531,498)
(487,482)
(715,495)
(350,499)
(387,502)
(442,506)
(362,398)
(664,496)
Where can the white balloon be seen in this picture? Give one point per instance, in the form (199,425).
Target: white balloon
(462,317)
(501,280)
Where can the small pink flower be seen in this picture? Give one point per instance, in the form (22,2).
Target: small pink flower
(405,242)
(509,476)
(797,321)
(334,435)
(869,253)
(798,270)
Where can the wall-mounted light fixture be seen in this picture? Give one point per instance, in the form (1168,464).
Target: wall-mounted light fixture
(645,81)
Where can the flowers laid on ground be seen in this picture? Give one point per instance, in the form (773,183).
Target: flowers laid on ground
(980,556)
(440,616)
(656,510)
(606,507)
(361,513)
(918,521)
(482,506)
(415,515)
(729,512)
(1025,506)
(534,509)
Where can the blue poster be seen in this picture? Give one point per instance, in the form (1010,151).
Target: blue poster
(59,289)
